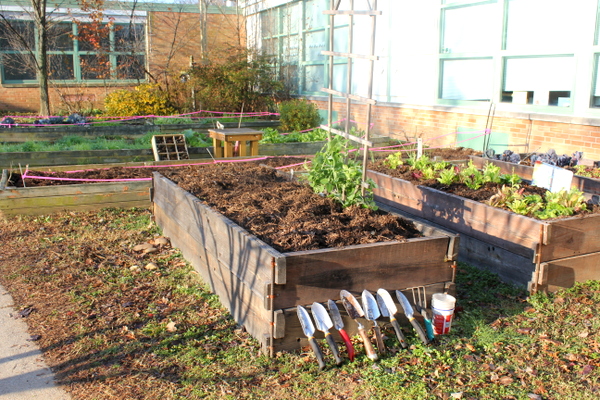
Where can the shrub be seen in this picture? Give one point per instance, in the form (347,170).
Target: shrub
(298,115)
(239,82)
(145,99)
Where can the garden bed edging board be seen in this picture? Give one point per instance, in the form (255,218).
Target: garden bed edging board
(261,287)
(42,200)
(512,245)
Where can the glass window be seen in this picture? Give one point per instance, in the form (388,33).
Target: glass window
(61,66)
(470,29)
(268,23)
(129,38)
(18,67)
(94,66)
(315,42)
(291,17)
(314,78)
(467,79)
(537,25)
(20,37)
(60,37)
(596,88)
(314,17)
(290,49)
(130,67)
(546,81)
(93,38)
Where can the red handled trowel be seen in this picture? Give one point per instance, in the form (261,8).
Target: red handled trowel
(339,325)
(355,312)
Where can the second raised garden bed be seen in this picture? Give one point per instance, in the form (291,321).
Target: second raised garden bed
(261,286)
(543,255)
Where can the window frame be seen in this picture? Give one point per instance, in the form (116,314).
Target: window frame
(77,54)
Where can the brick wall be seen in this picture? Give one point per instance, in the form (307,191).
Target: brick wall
(437,128)
(172,39)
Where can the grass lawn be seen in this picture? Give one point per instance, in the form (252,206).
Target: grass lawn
(118,323)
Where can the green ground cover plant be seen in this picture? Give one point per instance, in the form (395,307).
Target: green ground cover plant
(509,194)
(272,135)
(79,143)
(112,328)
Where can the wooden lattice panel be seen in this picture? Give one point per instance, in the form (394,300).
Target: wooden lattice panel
(169,147)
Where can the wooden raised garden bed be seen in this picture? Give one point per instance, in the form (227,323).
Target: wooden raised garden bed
(261,286)
(543,255)
(79,197)
(587,185)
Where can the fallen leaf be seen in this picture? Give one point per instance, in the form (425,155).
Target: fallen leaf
(534,396)
(559,300)
(584,334)
(525,331)
(171,327)
(151,266)
(470,347)
(456,395)
(506,380)
(587,369)
(143,246)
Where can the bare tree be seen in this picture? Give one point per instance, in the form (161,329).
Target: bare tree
(33,56)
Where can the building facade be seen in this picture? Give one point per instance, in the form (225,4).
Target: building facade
(90,55)
(449,69)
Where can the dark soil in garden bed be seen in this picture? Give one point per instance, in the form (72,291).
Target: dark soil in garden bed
(285,214)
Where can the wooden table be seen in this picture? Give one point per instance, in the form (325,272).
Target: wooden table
(228,137)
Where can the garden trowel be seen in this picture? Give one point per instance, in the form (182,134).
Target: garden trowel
(324,324)
(372,313)
(408,310)
(388,309)
(309,331)
(339,325)
(355,312)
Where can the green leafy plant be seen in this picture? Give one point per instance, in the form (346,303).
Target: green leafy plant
(394,160)
(271,135)
(237,81)
(333,173)
(510,179)
(491,173)
(447,177)
(471,176)
(298,115)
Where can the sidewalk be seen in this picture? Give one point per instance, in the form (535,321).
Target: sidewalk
(23,373)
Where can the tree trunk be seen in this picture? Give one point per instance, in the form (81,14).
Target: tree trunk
(203,31)
(39,9)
